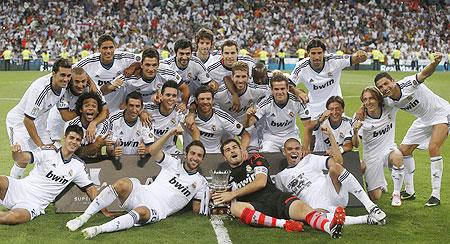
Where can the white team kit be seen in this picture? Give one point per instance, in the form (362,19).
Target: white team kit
(128,136)
(45,182)
(101,129)
(104,74)
(429,109)
(212,57)
(377,135)
(194,75)
(308,182)
(321,85)
(38,99)
(217,71)
(214,128)
(162,124)
(171,191)
(343,132)
(280,121)
(147,88)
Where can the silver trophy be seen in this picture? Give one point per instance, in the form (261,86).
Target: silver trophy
(219,183)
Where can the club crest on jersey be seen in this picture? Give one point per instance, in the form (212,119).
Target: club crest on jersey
(70,173)
(238,126)
(138,58)
(189,75)
(213,128)
(194,185)
(248,168)
(173,121)
(341,135)
(291,114)
(306,112)
(150,135)
(330,74)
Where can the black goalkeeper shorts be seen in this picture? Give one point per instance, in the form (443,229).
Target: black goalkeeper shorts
(275,204)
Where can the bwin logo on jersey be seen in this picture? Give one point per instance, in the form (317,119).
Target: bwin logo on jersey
(411,105)
(56,178)
(128,143)
(161,132)
(281,124)
(206,134)
(179,186)
(383,131)
(329,83)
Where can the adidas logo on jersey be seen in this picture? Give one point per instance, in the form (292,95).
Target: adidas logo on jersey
(411,105)
(281,124)
(329,83)
(179,186)
(56,178)
(383,131)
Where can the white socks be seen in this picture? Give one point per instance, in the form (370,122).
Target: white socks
(349,182)
(410,167)
(123,222)
(437,166)
(397,177)
(103,200)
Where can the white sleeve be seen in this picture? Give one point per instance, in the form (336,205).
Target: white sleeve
(82,179)
(34,102)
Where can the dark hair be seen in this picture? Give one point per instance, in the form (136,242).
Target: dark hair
(203,89)
(134,95)
(150,52)
(228,142)
(204,33)
(382,75)
(74,128)
(278,78)
(182,44)
(316,42)
(171,84)
(375,92)
(229,43)
(335,99)
(61,63)
(88,95)
(196,143)
(104,38)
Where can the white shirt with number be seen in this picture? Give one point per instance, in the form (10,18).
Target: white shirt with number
(343,132)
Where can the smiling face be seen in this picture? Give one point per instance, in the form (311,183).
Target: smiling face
(72,142)
(293,151)
(106,50)
(370,102)
(204,101)
(149,67)
(336,110)
(169,98)
(89,110)
(133,109)
(194,157)
(204,46)
(316,55)
(229,55)
(61,78)
(78,83)
(386,86)
(183,56)
(232,154)
(280,91)
(240,80)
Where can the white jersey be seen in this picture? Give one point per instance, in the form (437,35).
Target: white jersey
(212,57)
(101,130)
(212,129)
(69,100)
(416,98)
(321,85)
(149,87)
(104,74)
(38,99)
(174,187)
(281,121)
(217,71)
(343,132)
(377,134)
(52,174)
(162,124)
(128,136)
(304,178)
(252,96)
(194,75)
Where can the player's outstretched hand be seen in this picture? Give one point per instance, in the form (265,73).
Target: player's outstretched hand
(236,103)
(251,111)
(177,130)
(15,148)
(357,125)
(222,197)
(438,57)
(326,130)
(145,118)
(181,107)
(90,132)
(132,69)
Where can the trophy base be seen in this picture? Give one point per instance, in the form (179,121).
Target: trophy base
(220,211)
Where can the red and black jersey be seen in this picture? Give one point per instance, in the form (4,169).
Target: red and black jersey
(246,173)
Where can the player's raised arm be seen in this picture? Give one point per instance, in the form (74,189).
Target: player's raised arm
(20,157)
(334,152)
(155,149)
(430,68)
(359,57)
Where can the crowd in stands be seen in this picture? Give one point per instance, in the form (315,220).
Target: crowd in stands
(347,26)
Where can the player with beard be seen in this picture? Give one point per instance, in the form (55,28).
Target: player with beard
(304,177)
(430,129)
(175,186)
(88,107)
(256,201)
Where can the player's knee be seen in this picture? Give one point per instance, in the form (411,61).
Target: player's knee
(144,214)
(375,195)
(406,150)
(123,186)
(397,159)
(434,149)
(335,170)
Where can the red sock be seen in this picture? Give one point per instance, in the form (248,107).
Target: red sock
(256,218)
(316,220)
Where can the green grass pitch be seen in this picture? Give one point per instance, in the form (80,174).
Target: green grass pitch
(412,222)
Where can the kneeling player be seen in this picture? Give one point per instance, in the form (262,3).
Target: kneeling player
(27,198)
(175,186)
(259,202)
(304,177)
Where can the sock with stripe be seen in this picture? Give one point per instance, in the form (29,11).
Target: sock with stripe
(410,168)
(351,184)
(123,222)
(103,200)
(256,218)
(437,166)
(397,178)
(318,221)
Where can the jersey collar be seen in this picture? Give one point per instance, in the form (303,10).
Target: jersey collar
(51,87)
(205,118)
(62,157)
(126,122)
(189,173)
(107,66)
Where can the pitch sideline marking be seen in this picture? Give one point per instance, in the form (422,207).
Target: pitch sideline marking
(220,230)
(9,99)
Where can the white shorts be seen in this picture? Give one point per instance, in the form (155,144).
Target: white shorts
(55,124)
(19,135)
(20,195)
(255,137)
(374,174)
(142,196)
(420,130)
(271,143)
(326,197)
